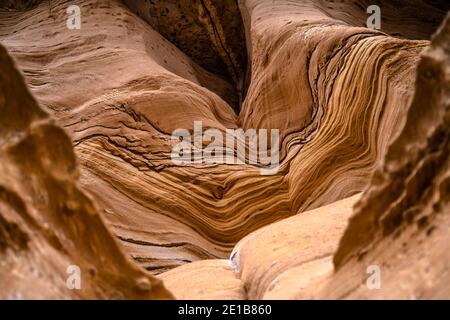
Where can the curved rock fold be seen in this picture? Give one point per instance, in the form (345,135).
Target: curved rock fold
(364,162)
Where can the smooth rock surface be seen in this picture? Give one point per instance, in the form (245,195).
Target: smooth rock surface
(359,111)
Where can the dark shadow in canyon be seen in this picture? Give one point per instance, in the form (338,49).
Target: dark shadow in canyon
(211,32)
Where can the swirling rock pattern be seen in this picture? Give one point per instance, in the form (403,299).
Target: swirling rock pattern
(338,92)
(47,224)
(400,224)
(209,32)
(280,260)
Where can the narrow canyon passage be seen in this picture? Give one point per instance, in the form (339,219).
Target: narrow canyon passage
(338,92)
(212,34)
(121,115)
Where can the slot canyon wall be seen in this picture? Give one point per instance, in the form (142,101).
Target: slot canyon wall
(86,118)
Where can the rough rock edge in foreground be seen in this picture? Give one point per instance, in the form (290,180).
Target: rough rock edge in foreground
(46,223)
(402,222)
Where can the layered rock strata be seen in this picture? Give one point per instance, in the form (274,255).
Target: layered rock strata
(345,99)
(49,228)
(335,91)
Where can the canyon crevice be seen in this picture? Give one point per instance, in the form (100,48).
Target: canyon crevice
(87,179)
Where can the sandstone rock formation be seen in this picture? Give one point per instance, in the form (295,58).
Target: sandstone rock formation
(47,224)
(352,117)
(209,32)
(403,220)
(262,264)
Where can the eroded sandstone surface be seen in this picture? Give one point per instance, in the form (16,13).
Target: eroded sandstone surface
(364,153)
(47,223)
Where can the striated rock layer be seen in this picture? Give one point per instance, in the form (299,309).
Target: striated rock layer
(400,224)
(278,261)
(47,224)
(210,32)
(342,96)
(337,92)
